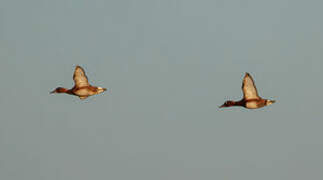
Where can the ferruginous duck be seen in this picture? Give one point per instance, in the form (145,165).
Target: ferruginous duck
(82,88)
(251,99)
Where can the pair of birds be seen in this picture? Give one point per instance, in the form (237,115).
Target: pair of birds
(250,100)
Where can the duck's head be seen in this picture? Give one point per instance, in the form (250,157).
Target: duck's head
(227,104)
(269,102)
(59,90)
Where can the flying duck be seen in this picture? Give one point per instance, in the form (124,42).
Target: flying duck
(251,99)
(82,88)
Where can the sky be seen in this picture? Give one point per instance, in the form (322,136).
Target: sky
(170,64)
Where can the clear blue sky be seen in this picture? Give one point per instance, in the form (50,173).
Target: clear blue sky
(170,64)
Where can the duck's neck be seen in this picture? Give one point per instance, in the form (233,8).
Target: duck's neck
(237,103)
(63,90)
(240,103)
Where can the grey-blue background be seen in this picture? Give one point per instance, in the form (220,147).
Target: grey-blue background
(170,64)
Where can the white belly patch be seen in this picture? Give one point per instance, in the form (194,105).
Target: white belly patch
(252,105)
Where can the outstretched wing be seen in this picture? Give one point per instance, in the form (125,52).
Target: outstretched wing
(79,77)
(249,88)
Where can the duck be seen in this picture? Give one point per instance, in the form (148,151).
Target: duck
(82,87)
(251,99)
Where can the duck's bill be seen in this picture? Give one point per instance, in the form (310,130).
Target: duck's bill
(52,92)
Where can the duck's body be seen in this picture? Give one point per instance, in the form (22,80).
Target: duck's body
(251,99)
(82,88)
(254,104)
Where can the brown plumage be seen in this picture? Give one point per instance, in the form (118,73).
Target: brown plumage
(82,88)
(251,99)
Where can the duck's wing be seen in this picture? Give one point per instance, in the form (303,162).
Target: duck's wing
(249,88)
(80,78)
(82,97)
